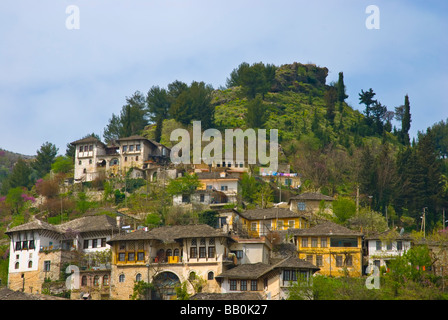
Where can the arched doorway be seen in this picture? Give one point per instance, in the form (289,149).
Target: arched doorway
(164,286)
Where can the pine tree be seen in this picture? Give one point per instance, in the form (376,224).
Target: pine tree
(44,159)
(256,113)
(158,103)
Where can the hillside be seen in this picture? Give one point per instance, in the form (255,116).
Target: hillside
(7,161)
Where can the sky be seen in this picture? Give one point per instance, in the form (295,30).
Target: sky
(64,72)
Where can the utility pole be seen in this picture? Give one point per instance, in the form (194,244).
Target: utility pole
(423,226)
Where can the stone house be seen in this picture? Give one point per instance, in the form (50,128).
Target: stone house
(40,251)
(270,280)
(336,250)
(382,247)
(310,203)
(94,159)
(168,256)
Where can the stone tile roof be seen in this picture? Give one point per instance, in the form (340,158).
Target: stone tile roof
(253,271)
(89,139)
(326,228)
(388,234)
(227,296)
(34,224)
(270,213)
(311,196)
(169,234)
(90,223)
(83,224)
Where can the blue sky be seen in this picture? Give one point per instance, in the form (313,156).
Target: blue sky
(58,85)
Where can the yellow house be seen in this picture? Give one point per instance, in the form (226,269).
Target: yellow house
(258,222)
(336,250)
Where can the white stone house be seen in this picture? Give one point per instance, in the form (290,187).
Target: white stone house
(39,250)
(385,246)
(94,159)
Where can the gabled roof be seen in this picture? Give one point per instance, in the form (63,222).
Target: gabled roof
(137,137)
(312,196)
(270,213)
(83,224)
(326,228)
(253,271)
(388,234)
(90,223)
(34,224)
(169,234)
(89,139)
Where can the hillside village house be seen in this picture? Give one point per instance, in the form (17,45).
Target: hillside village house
(385,246)
(168,256)
(259,222)
(225,182)
(331,247)
(39,251)
(270,280)
(94,159)
(310,203)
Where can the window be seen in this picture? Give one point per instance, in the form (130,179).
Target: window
(94,243)
(193,252)
(90,161)
(224,188)
(18,245)
(25,245)
(103,242)
(140,256)
(289,275)
(96,281)
(186,198)
(122,256)
(137,147)
(319,260)
(86,244)
(301,206)
(291,224)
(314,242)
(169,252)
(125,159)
(349,261)
(202,252)
(121,278)
(323,242)
(106,280)
(253,285)
(194,242)
(211,241)
(378,245)
(211,252)
(210,275)
(201,197)
(304,242)
(253,226)
(192,276)
(16,266)
(86,148)
(399,245)
(233,285)
(47,265)
(84,281)
(344,242)
(138,277)
(81,149)
(32,244)
(280,225)
(125,149)
(80,162)
(131,148)
(389,245)
(176,252)
(309,258)
(339,261)
(91,147)
(243,285)
(202,242)
(122,246)
(209,187)
(30,264)
(131,256)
